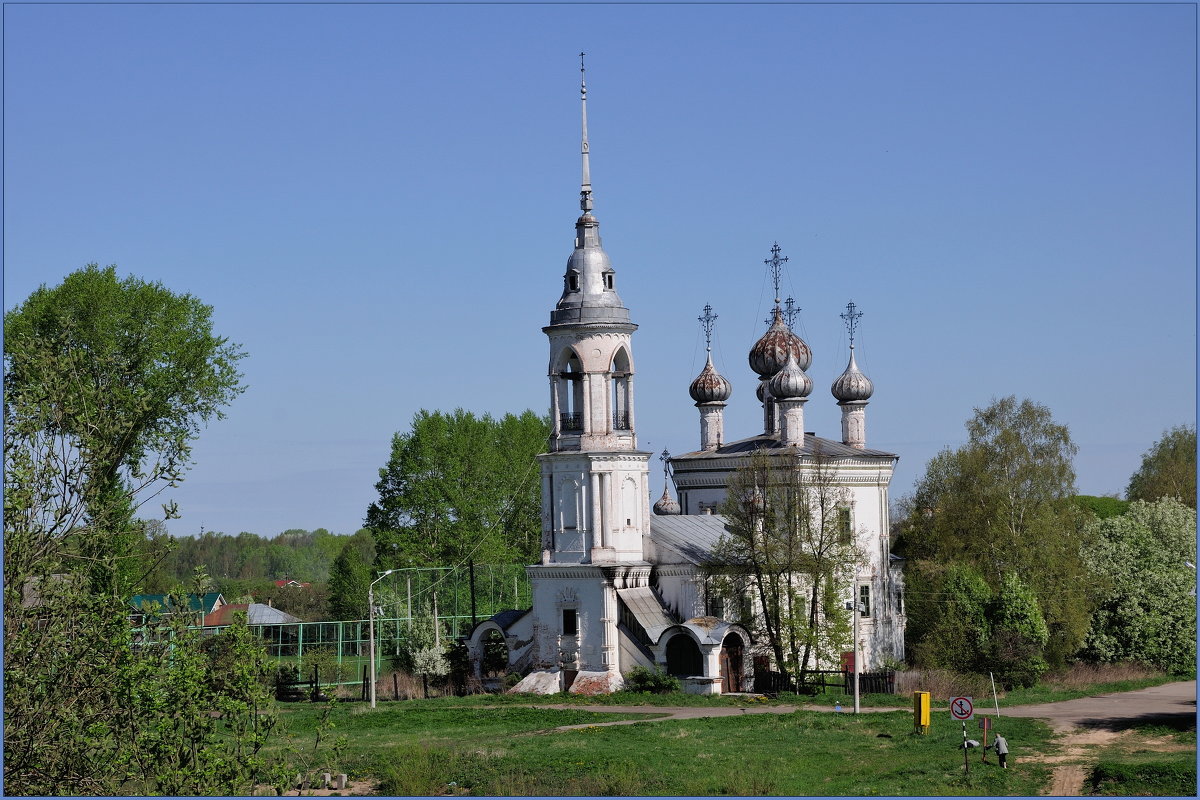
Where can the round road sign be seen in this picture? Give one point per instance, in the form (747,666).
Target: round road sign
(962,708)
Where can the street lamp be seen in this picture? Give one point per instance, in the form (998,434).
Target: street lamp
(371,627)
(855,607)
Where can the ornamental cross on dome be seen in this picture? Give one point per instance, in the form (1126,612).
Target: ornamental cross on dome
(706,322)
(851,317)
(790,312)
(775,262)
(666,459)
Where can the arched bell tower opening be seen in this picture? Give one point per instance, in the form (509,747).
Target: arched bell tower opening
(568,395)
(621,380)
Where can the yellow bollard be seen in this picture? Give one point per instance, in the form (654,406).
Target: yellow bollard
(921,712)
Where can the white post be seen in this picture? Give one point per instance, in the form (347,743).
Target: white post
(371,627)
(857,614)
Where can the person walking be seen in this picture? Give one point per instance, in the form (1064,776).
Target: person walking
(1001,748)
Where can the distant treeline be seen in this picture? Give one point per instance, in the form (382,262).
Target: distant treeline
(299,554)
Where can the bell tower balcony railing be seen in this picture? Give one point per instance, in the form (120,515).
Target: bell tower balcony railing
(620,420)
(570,421)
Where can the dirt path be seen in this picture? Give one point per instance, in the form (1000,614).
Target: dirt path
(1089,723)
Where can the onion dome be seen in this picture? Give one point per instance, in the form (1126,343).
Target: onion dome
(666,504)
(790,382)
(710,386)
(771,352)
(852,385)
(763,392)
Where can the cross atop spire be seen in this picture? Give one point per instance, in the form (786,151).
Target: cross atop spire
(585,189)
(706,322)
(776,264)
(851,317)
(666,459)
(789,312)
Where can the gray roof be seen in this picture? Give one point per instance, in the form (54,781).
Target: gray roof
(647,609)
(769,444)
(693,536)
(506,618)
(263,614)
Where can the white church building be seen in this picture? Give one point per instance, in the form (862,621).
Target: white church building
(622,583)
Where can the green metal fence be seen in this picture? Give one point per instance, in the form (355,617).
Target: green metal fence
(434,604)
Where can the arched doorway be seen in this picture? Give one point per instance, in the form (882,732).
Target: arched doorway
(494,660)
(732,664)
(683,657)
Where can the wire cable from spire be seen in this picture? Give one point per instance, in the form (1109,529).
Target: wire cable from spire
(585,189)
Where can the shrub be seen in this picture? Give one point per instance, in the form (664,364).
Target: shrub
(650,681)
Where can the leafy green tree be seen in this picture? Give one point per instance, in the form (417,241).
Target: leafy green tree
(106,383)
(949,618)
(349,578)
(458,486)
(120,374)
(1003,503)
(1146,611)
(787,547)
(1102,507)
(1168,468)
(1019,634)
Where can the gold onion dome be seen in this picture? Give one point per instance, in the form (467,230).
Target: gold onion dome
(710,386)
(852,385)
(790,382)
(770,353)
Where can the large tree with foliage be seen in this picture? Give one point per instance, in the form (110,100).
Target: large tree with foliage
(1146,609)
(1168,468)
(1002,503)
(460,487)
(789,549)
(349,578)
(106,383)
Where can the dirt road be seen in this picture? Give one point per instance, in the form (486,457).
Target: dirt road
(1091,722)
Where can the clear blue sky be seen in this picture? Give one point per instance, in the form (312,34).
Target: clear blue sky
(379,200)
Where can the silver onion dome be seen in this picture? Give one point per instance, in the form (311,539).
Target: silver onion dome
(710,386)
(763,392)
(790,382)
(852,385)
(771,352)
(666,504)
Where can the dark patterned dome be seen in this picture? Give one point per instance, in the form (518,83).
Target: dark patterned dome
(770,353)
(710,386)
(852,385)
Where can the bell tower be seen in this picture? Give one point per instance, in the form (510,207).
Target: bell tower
(595,482)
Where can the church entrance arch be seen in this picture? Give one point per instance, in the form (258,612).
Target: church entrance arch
(683,657)
(732,664)
(494,662)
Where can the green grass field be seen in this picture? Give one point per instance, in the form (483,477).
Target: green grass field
(445,746)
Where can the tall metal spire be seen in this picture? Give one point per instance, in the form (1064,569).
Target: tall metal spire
(851,317)
(706,322)
(585,190)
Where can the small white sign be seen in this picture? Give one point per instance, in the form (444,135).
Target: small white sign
(962,708)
